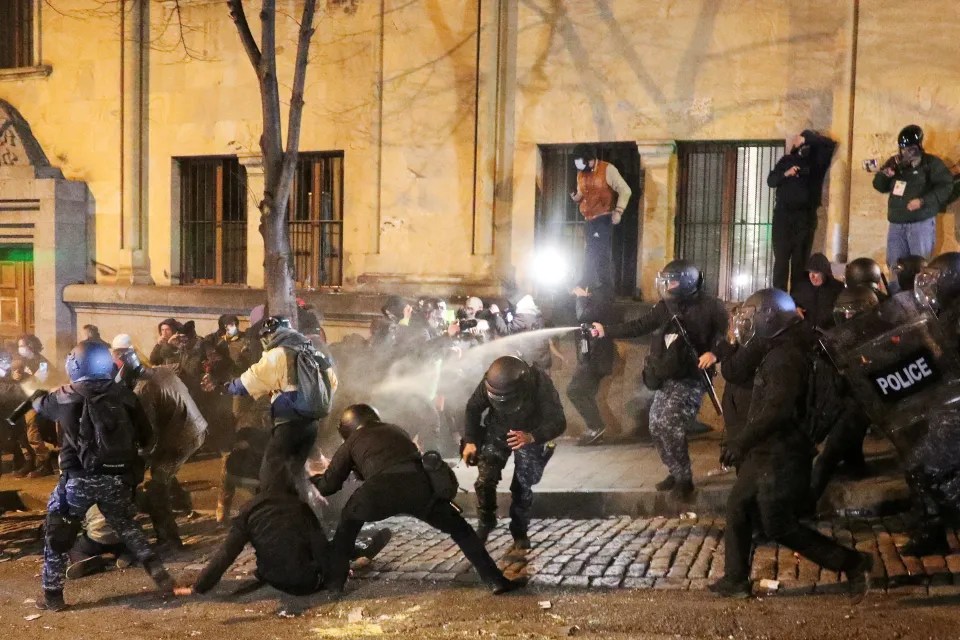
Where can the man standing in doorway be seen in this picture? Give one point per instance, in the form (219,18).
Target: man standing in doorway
(919,185)
(798,178)
(597,184)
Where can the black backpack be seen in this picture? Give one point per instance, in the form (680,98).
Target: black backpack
(107,439)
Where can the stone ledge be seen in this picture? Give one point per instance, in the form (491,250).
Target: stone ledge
(19,73)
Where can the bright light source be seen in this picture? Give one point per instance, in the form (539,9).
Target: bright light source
(741,280)
(550,266)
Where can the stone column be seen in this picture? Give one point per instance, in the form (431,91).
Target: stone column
(657,211)
(253,163)
(134,263)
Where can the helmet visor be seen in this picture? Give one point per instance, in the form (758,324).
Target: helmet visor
(925,287)
(850,310)
(668,285)
(504,402)
(744,324)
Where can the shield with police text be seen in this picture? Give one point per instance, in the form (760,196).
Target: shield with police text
(898,366)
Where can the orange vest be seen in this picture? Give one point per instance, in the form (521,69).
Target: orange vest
(598,197)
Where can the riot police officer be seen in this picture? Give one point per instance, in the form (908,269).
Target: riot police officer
(100,468)
(674,367)
(867,272)
(906,270)
(394,482)
(515,409)
(773,453)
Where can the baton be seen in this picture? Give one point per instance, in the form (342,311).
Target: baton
(711,390)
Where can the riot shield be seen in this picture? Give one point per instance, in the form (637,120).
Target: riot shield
(900,368)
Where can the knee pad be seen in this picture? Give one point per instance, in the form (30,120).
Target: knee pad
(61,532)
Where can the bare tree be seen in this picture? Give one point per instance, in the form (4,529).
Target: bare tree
(279,162)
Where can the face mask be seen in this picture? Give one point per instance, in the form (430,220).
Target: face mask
(580,164)
(25,352)
(231,330)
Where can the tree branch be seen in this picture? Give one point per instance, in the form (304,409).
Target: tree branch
(296,93)
(246,36)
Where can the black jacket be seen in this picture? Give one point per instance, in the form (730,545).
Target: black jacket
(542,417)
(590,309)
(369,451)
(703,316)
(818,302)
(290,544)
(778,403)
(65,405)
(740,364)
(805,190)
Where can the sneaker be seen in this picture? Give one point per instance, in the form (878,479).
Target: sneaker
(505,585)
(521,541)
(666,484)
(729,588)
(51,600)
(373,545)
(591,437)
(484,529)
(125,560)
(160,577)
(859,578)
(683,490)
(86,567)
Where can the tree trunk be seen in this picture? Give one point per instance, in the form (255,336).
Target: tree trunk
(278,274)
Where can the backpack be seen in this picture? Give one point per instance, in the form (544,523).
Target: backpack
(443,480)
(314,395)
(107,439)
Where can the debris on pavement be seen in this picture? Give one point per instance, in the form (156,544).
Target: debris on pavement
(770,585)
(545,604)
(32,617)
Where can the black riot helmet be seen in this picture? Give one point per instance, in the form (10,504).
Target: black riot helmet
(765,314)
(938,284)
(910,136)
(853,301)
(508,384)
(679,280)
(90,361)
(906,270)
(864,271)
(357,416)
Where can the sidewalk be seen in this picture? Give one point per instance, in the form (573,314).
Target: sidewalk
(592,482)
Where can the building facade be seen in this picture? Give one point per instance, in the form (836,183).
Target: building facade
(435,141)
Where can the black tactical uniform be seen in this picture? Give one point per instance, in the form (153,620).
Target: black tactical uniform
(537,411)
(394,482)
(773,456)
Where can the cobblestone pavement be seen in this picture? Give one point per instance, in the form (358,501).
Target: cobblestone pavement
(631,553)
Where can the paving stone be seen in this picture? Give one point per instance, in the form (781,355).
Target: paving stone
(576,581)
(607,582)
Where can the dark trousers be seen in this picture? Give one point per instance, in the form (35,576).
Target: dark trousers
(843,444)
(792,241)
(286,453)
(598,252)
(529,463)
(768,490)
(163,482)
(582,391)
(410,494)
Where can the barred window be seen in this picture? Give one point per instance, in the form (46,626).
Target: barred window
(213,221)
(316,220)
(16,34)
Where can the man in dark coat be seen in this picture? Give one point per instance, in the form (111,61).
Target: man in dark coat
(815,296)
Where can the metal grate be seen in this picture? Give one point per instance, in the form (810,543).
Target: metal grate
(725,212)
(213,221)
(558,220)
(16,33)
(316,220)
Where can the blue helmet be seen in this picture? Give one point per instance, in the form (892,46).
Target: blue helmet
(90,361)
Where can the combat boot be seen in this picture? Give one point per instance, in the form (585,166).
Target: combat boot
(155,569)
(43,469)
(683,490)
(51,600)
(859,578)
(484,527)
(81,565)
(505,585)
(521,541)
(925,544)
(729,588)
(666,484)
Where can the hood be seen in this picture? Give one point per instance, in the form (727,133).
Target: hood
(527,305)
(288,338)
(819,262)
(226,319)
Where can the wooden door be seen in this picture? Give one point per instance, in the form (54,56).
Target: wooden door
(16,298)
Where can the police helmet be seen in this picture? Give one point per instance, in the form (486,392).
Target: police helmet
(90,361)
(678,280)
(938,284)
(357,416)
(906,270)
(910,136)
(766,313)
(507,383)
(853,301)
(130,366)
(864,271)
(272,324)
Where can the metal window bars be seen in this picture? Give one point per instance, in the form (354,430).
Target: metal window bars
(316,220)
(16,33)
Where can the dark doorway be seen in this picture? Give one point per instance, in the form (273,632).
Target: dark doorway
(559,223)
(16,292)
(725,213)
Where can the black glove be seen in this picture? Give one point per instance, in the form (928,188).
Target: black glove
(730,455)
